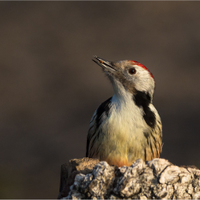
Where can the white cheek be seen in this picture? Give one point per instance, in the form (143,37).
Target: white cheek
(143,82)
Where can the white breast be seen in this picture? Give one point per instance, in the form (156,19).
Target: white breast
(123,128)
(126,117)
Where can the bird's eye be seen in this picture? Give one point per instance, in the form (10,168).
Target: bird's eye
(132,71)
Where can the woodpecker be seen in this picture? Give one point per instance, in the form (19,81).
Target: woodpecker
(126,126)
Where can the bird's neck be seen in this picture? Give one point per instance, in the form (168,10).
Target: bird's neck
(138,102)
(123,100)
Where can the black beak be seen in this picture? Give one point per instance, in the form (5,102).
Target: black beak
(104,63)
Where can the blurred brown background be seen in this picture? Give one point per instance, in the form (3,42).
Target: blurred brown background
(49,87)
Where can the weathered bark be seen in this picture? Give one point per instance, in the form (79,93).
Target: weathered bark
(157,179)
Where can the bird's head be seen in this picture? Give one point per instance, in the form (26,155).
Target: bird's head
(128,76)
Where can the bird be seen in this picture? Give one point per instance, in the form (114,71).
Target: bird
(127,126)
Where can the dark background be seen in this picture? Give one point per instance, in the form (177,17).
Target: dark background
(49,87)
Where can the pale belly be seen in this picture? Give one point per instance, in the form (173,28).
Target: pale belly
(123,141)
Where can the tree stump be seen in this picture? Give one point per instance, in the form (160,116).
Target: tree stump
(88,178)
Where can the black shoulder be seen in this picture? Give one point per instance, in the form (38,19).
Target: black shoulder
(103,108)
(143,99)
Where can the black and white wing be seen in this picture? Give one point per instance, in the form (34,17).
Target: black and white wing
(93,144)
